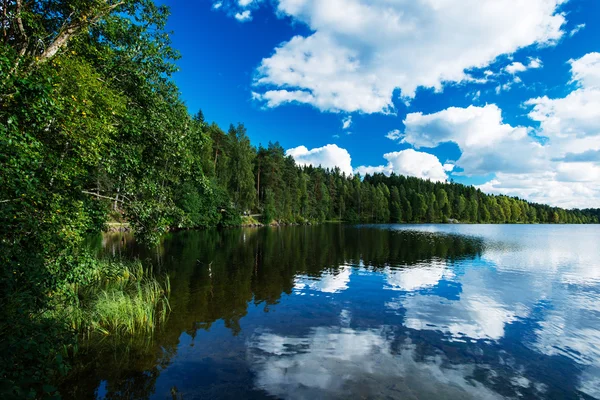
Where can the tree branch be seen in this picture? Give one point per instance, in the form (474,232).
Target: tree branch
(71,30)
(4,21)
(101,196)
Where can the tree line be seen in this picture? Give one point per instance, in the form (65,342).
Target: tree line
(266,181)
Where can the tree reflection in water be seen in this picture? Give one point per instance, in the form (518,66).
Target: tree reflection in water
(331,311)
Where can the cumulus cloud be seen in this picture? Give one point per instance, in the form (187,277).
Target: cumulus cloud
(487,144)
(577,115)
(409,162)
(361,51)
(572,126)
(515,67)
(329,156)
(562,170)
(586,70)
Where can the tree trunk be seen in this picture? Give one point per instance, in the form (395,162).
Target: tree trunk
(72,29)
(258,187)
(4,21)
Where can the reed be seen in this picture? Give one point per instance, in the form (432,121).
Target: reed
(119,298)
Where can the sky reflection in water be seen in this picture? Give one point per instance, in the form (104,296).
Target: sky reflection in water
(398,311)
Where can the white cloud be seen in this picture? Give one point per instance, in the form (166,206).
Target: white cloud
(563,170)
(274,98)
(468,127)
(586,70)
(534,63)
(362,50)
(576,29)
(243,16)
(578,172)
(409,162)
(572,119)
(241,10)
(448,167)
(572,125)
(545,188)
(394,134)
(487,144)
(329,156)
(346,122)
(517,67)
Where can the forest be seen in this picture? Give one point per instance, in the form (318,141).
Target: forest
(93,129)
(266,181)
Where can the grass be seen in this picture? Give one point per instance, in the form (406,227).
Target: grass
(120,298)
(249,220)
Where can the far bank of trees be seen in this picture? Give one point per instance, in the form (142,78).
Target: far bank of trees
(266,181)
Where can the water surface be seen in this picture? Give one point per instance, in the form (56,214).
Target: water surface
(381,312)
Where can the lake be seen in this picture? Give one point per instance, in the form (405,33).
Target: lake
(373,311)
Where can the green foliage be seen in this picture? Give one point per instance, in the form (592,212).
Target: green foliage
(69,70)
(269,208)
(241,182)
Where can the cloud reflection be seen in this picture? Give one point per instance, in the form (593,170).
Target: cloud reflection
(479,313)
(417,277)
(546,279)
(333,362)
(328,282)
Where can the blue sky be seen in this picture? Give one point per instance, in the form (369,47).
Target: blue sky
(503,95)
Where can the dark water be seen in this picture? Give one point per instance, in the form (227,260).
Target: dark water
(382,312)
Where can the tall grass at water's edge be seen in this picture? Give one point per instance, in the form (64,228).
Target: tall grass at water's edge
(120,298)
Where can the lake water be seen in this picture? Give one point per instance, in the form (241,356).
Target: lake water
(372,311)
